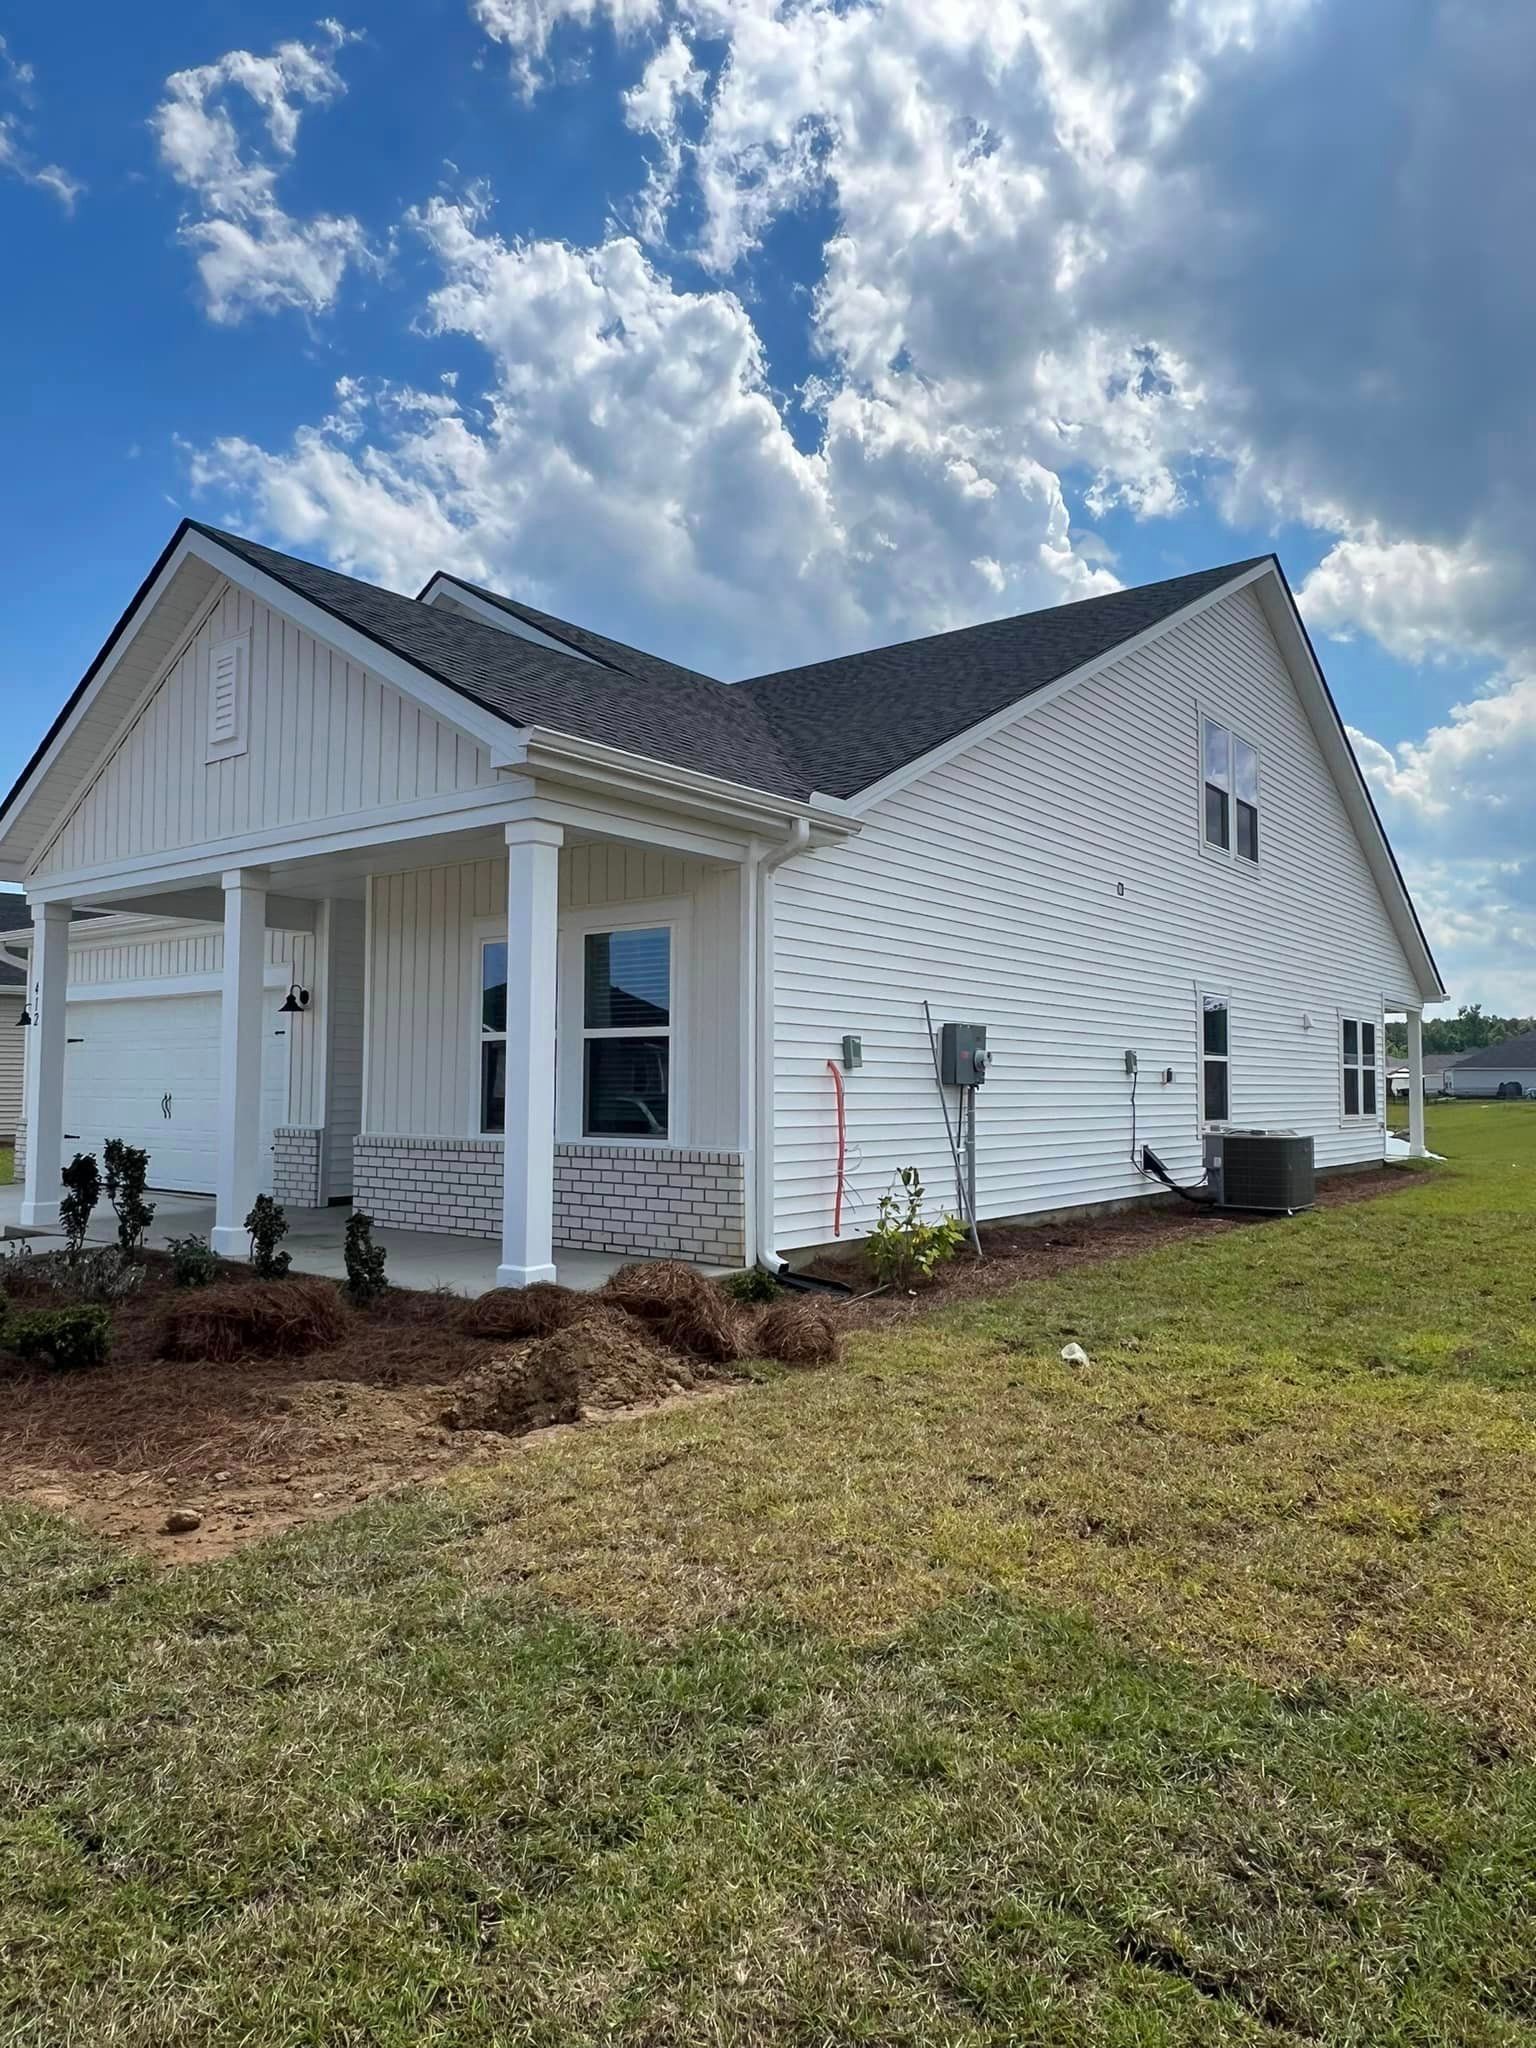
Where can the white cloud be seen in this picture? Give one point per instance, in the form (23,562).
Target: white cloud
(17,80)
(631,463)
(526,26)
(1420,599)
(252,254)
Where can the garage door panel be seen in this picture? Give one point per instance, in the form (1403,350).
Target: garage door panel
(147,1070)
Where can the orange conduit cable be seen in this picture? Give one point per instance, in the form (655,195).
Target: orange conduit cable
(842,1146)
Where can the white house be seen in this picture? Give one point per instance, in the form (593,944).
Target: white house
(1436,1074)
(1507,1069)
(492,925)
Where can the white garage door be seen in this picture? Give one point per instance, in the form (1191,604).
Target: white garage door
(146,1069)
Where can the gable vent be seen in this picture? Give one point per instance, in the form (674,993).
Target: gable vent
(228,692)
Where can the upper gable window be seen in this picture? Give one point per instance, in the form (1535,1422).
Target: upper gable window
(1231,772)
(229,697)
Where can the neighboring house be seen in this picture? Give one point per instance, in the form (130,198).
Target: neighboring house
(572,934)
(15,918)
(1506,1069)
(1437,1067)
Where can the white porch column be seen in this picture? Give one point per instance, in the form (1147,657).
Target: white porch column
(241,1024)
(45,1067)
(1416,1084)
(528,1187)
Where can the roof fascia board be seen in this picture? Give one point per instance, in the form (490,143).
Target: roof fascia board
(436,696)
(864,800)
(1295,644)
(592,766)
(444,585)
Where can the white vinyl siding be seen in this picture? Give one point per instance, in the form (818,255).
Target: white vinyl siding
(425,929)
(13,1045)
(322,738)
(992,886)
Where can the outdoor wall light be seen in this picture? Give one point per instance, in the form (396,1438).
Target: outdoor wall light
(296,1000)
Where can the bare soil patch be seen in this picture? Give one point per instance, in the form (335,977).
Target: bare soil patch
(1017,1252)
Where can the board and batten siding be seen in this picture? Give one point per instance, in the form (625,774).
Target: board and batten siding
(198,951)
(1051,883)
(423,1055)
(324,738)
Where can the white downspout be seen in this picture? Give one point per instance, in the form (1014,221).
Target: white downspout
(763,1043)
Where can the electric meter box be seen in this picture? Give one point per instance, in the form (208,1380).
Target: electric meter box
(963,1055)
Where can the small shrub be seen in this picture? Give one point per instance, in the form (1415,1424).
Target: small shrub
(253,1319)
(126,1177)
(268,1227)
(750,1287)
(106,1274)
(82,1181)
(904,1249)
(365,1260)
(61,1339)
(797,1332)
(192,1263)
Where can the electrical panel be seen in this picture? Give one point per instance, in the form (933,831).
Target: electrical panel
(853,1051)
(963,1055)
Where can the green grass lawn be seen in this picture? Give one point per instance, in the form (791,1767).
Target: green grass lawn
(950,1697)
(7,1165)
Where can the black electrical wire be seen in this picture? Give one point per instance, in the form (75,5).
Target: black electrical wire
(1147,1162)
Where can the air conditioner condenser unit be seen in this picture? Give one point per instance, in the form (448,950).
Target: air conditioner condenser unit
(1270,1172)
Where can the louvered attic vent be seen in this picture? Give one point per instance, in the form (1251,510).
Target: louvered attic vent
(228,697)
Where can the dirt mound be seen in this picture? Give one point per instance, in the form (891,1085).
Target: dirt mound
(601,1362)
(511,1313)
(253,1319)
(797,1333)
(682,1309)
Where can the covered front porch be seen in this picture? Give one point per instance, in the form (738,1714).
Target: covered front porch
(525,1049)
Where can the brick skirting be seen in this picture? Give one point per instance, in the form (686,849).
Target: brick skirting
(643,1199)
(296,1156)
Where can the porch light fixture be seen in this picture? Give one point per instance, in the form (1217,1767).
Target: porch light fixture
(25,1018)
(296,1001)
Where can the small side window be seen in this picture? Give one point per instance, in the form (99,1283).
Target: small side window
(1229,767)
(1245,778)
(1358,1054)
(1215,1060)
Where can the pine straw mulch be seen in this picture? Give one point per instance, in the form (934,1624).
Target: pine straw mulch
(423,1382)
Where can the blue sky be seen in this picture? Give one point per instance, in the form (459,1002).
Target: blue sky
(755,331)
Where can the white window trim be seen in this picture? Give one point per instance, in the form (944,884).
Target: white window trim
(1228,855)
(1202,996)
(1347,1117)
(676,916)
(484,932)
(236,742)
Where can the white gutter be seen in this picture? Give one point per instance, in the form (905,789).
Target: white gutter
(763,868)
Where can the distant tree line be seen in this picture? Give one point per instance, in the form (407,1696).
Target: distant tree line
(1468,1030)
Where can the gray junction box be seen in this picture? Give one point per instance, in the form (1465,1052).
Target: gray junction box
(963,1055)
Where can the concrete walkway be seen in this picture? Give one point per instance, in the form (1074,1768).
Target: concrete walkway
(417,1258)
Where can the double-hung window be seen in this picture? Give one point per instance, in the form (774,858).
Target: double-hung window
(1231,772)
(1215,1060)
(1359,1049)
(626,1020)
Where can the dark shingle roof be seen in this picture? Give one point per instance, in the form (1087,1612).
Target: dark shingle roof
(631,661)
(1519,1051)
(669,715)
(833,727)
(858,719)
